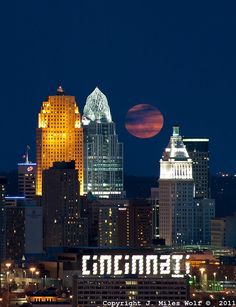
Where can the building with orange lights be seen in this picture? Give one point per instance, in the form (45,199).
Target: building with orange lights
(59,136)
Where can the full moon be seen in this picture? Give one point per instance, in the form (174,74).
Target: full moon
(144,121)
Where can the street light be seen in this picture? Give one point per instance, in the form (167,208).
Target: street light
(202,270)
(8,265)
(32,270)
(37,277)
(214,274)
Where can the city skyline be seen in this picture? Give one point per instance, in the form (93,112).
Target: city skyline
(32,153)
(117,186)
(157,54)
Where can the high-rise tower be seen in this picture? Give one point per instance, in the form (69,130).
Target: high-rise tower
(61,207)
(59,136)
(176,192)
(198,150)
(103,153)
(26,177)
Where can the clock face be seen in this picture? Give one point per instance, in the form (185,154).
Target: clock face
(30,168)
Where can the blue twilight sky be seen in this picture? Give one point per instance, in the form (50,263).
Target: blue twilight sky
(179,56)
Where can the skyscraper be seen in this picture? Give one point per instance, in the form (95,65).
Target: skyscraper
(59,136)
(108,224)
(103,153)
(176,192)
(140,211)
(61,207)
(24,233)
(198,150)
(204,212)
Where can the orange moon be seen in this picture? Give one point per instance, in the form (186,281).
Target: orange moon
(144,121)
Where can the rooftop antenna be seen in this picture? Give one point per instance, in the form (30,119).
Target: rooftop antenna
(27,154)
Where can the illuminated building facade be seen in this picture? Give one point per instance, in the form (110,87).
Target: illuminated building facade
(103,153)
(140,211)
(114,225)
(59,136)
(176,193)
(198,150)
(108,226)
(63,226)
(128,224)
(101,292)
(27,179)
(129,276)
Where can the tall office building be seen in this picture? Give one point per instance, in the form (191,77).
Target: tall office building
(107,226)
(223,187)
(154,200)
(128,224)
(59,136)
(140,211)
(111,231)
(27,178)
(204,212)
(198,150)
(24,227)
(103,153)
(176,193)
(61,207)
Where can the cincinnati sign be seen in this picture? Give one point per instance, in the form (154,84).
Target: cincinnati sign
(175,265)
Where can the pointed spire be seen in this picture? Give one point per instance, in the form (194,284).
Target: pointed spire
(60,91)
(97,108)
(27,154)
(176,149)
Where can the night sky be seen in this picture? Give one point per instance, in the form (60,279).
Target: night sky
(179,56)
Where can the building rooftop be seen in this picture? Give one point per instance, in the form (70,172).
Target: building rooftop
(96,108)
(176,149)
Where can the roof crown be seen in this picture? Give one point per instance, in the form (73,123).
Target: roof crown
(97,108)
(176,149)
